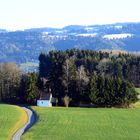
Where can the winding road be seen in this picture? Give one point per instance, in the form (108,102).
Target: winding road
(31,121)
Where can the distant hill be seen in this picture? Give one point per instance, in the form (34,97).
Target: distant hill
(25,46)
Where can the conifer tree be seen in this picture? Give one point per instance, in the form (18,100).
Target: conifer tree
(101,88)
(32,90)
(93,89)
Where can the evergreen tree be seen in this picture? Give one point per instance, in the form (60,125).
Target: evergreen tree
(108,91)
(101,88)
(129,94)
(32,90)
(93,89)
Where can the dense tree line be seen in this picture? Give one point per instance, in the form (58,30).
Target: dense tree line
(111,91)
(16,86)
(72,73)
(78,77)
(122,65)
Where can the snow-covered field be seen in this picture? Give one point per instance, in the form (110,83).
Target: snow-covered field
(85,35)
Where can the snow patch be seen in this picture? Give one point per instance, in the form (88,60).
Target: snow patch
(118,27)
(86,35)
(117,36)
(89,28)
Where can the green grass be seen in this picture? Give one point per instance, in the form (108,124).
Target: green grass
(11,119)
(85,124)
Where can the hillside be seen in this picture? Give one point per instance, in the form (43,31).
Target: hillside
(25,46)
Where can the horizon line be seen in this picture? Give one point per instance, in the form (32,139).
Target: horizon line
(53,27)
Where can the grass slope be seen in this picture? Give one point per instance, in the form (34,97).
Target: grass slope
(85,124)
(11,119)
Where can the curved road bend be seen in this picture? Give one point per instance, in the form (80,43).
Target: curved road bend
(31,121)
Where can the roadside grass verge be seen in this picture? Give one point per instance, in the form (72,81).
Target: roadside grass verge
(11,119)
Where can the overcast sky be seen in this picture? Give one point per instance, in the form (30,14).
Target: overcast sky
(21,14)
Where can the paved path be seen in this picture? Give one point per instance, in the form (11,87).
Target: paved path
(31,121)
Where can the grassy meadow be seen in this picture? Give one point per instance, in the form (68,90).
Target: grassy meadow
(85,124)
(11,119)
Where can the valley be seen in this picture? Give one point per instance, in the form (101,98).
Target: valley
(25,46)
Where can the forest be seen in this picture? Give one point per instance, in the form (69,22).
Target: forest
(86,76)
(81,77)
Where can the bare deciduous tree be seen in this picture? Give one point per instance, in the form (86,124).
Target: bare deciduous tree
(67,100)
(82,78)
(69,73)
(9,80)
